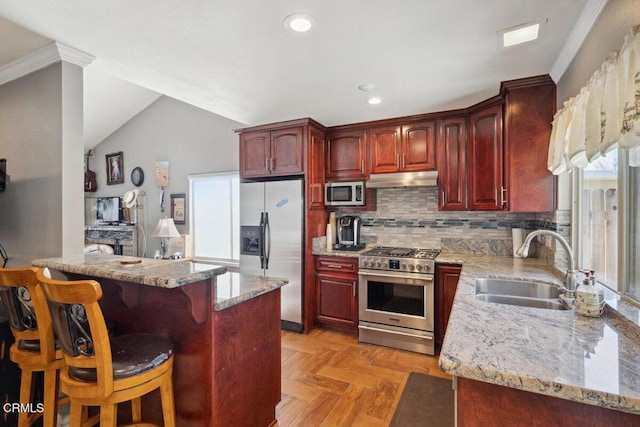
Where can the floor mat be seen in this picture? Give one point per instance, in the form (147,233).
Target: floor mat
(426,401)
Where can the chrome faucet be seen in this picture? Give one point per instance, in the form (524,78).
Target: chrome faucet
(570,282)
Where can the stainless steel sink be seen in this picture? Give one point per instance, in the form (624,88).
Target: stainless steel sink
(520,292)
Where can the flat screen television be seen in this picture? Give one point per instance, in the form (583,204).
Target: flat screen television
(108,210)
(3,174)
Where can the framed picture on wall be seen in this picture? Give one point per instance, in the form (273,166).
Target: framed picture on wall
(178,208)
(115,168)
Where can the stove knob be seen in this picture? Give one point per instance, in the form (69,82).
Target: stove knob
(427,267)
(404,265)
(411,267)
(385,264)
(370,263)
(418,267)
(378,264)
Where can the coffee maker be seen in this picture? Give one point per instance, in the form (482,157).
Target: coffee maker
(349,237)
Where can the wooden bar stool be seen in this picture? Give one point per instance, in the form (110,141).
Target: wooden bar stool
(34,349)
(100,371)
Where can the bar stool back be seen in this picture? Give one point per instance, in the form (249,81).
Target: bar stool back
(100,371)
(34,349)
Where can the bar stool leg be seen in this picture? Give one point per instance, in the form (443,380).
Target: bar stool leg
(50,397)
(108,415)
(168,406)
(136,410)
(25,394)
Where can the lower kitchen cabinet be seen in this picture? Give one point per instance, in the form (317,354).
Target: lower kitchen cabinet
(337,285)
(447,277)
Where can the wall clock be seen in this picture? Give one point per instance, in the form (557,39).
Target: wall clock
(137,176)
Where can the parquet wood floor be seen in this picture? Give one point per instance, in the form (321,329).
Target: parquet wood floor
(330,379)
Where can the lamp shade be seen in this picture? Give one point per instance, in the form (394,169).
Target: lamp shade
(166,228)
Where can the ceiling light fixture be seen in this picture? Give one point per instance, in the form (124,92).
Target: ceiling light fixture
(368,87)
(374,100)
(520,33)
(299,22)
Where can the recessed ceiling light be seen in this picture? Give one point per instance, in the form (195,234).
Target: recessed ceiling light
(299,22)
(374,100)
(520,34)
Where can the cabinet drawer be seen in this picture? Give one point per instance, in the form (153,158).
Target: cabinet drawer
(337,264)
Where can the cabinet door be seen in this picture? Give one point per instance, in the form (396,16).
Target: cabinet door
(315,169)
(255,151)
(346,154)
(447,277)
(418,151)
(385,147)
(452,164)
(485,159)
(287,151)
(528,115)
(336,299)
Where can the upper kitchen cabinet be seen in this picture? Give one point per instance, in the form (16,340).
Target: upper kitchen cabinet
(346,154)
(529,108)
(272,153)
(486,187)
(452,163)
(405,148)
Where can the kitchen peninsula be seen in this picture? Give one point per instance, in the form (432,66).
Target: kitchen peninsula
(530,366)
(225,327)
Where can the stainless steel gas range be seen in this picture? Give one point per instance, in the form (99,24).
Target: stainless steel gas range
(396,305)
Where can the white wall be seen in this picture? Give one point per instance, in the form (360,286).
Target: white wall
(40,136)
(191,139)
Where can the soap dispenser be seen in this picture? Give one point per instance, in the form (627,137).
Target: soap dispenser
(589,301)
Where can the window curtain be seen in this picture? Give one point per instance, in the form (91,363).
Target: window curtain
(606,112)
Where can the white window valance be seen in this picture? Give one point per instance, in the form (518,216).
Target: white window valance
(606,112)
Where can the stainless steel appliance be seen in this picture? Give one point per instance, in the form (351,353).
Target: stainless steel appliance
(396,305)
(344,193)
(349,236)
(271,230)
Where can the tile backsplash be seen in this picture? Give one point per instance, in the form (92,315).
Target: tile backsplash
(409,217)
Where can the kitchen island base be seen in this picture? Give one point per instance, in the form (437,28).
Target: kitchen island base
(484,404)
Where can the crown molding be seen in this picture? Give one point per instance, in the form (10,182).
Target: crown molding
(42,58)
(580,31)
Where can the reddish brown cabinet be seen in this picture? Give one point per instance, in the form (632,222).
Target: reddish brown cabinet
(337,287)
(346,154)
(272,153)
(447,277)
(452,163)
(486,187)
(403,148)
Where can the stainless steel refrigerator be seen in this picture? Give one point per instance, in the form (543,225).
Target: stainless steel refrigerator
(271,232)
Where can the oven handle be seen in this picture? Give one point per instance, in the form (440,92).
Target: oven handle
(369,328)
(425,277)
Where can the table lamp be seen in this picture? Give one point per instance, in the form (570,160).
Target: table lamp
(165,229)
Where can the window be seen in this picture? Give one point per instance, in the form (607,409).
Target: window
(215,212)
(608,229)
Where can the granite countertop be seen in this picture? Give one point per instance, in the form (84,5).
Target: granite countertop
(553,352)
(148,271)
(233,288)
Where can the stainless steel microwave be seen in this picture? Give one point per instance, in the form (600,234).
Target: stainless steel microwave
(344,193)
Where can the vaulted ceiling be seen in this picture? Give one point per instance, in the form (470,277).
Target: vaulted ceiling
(236,59)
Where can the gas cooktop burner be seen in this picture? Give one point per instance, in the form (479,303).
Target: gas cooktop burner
(412,260)
(402,252)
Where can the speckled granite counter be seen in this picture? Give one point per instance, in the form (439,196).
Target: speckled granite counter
(225,328)
(551,352)
(234,288)
(152,272)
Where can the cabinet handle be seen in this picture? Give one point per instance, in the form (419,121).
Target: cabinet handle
(272,163)
(266,164)
(398,160)
(443,196)
(334,266)
(503,198)
(404,161)
(354,288)
(362,167)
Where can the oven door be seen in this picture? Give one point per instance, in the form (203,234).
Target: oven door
(398,299)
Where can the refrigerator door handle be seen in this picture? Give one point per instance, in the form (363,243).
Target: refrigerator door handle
(261,240)
(267,240)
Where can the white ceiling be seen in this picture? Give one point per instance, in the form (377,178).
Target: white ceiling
(235,58)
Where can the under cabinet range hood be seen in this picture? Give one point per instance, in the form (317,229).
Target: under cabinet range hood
(403,179)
